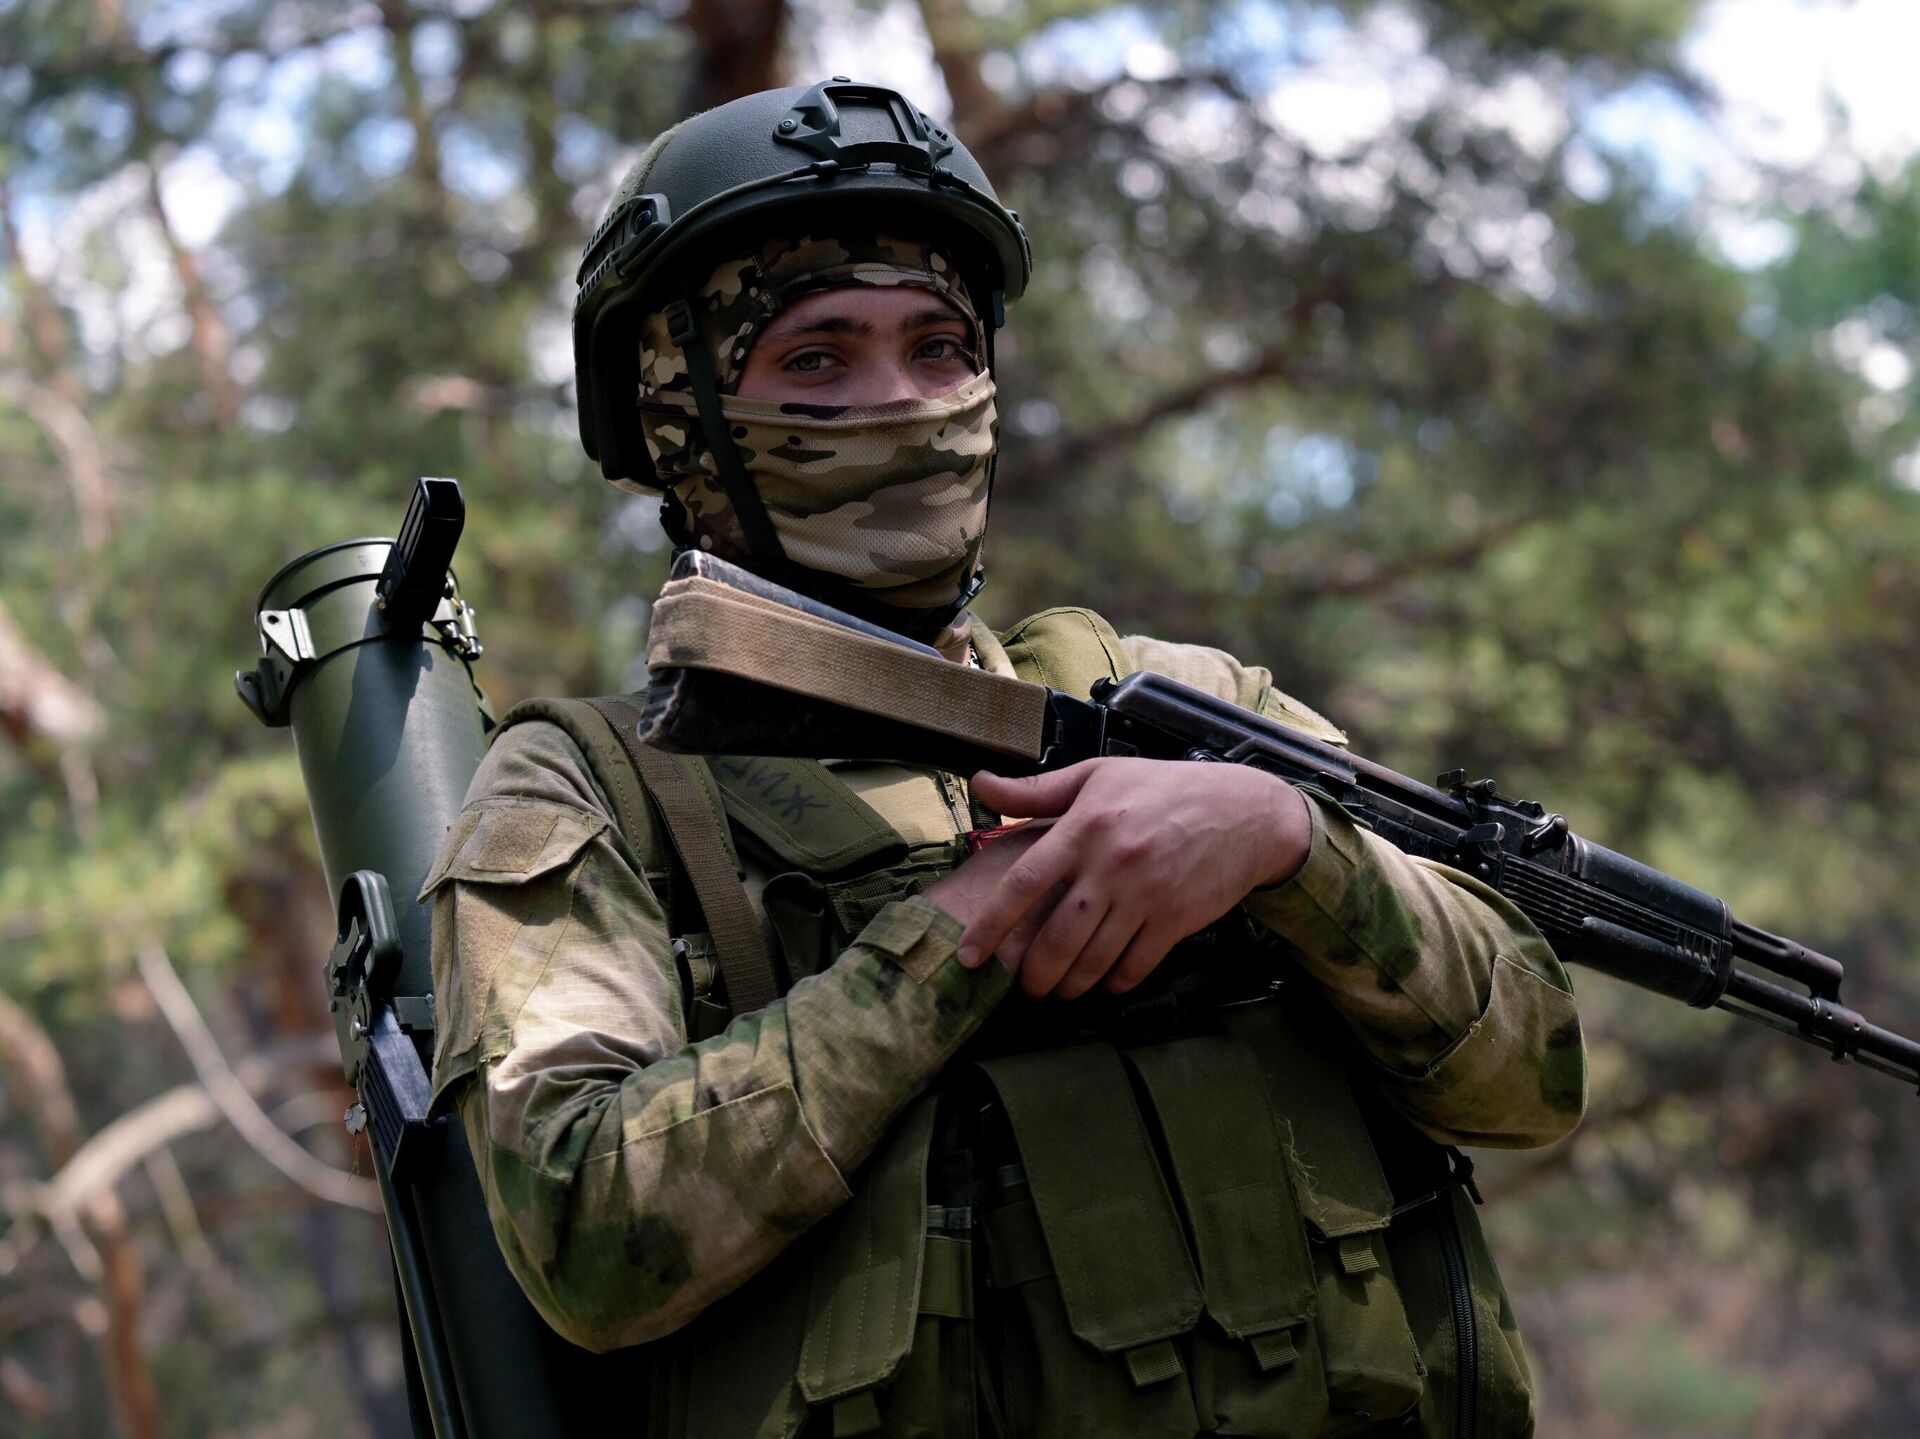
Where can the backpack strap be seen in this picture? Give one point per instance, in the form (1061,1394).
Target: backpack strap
(642,783)
(689,803)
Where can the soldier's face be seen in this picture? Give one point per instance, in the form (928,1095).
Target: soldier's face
(860,345)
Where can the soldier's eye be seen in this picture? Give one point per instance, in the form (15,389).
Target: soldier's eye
(808,362)
(943,349)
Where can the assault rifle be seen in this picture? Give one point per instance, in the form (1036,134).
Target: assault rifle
(743,666)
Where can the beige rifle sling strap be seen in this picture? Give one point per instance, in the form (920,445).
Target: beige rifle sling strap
(695,823)
(702,624)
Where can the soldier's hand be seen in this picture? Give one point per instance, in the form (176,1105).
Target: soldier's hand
(965,890)
(1141,853)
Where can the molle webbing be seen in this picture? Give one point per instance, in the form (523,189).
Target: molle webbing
(701,624)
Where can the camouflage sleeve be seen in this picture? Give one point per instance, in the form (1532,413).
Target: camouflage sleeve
(633,1177)
(1452,992)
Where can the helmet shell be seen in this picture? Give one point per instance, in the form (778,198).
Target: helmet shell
(757,163)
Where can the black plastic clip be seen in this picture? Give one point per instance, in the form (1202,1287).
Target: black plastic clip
(813,125)
(382,1060)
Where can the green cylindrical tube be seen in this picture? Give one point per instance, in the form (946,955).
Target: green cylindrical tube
(390,728)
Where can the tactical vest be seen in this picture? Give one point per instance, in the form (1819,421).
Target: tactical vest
(1173,1215)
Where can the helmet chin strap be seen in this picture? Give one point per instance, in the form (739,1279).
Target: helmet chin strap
(763,541)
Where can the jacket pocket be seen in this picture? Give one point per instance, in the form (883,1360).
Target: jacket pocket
(858,1329)
(1094,1280)
(1257,1366)
(1373,1370)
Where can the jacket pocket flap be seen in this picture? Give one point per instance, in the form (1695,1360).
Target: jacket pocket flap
(511,841)
(1111,1230)
(870,1269)
(1232,1173)
(1336,1173)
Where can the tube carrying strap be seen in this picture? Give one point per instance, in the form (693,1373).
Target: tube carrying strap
(702,624)
(695,823)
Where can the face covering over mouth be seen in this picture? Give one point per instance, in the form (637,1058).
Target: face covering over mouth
(888,499)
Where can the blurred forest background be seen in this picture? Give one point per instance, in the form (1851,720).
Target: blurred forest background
(1349,349)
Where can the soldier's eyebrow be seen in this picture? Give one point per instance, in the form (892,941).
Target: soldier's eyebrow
(826,325)
(935,314)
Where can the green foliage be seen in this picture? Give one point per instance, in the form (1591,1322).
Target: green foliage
(1494,474)
(1663,1385)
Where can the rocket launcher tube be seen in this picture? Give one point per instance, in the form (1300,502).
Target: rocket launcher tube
(390,728)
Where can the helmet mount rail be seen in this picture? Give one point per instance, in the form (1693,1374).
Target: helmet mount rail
(813,125)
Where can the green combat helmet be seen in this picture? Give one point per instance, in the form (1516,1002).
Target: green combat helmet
(767,164)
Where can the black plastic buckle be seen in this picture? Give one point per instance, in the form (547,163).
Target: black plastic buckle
(681,325)
(813,125)
(366,950)
(383,1063)
(1459,1175)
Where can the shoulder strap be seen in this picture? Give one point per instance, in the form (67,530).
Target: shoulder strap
(681,792)
(695,824)
(614,772)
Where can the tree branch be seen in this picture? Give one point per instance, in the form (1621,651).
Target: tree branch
(242,1111)
(976,105)
(83,460)
(46,324)
(1071,452)
(212,345)
(1358,573)
(399,22)
(98,59)
(739,49)
(94,1167)
(38,1080)
(40,706)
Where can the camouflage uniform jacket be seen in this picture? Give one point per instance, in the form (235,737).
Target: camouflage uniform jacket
(634,1177)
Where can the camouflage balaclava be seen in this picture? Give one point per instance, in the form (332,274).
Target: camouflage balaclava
(890,499)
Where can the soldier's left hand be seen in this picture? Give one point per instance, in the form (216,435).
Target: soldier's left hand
(1142,853)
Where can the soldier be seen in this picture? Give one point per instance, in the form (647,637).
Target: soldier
(992,1162)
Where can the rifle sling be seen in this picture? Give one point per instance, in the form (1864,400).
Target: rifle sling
(701,624)
(695,822)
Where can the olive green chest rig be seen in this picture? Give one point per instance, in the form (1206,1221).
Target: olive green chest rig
(1156,1222)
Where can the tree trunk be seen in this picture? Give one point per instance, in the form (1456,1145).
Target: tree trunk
(739,49)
